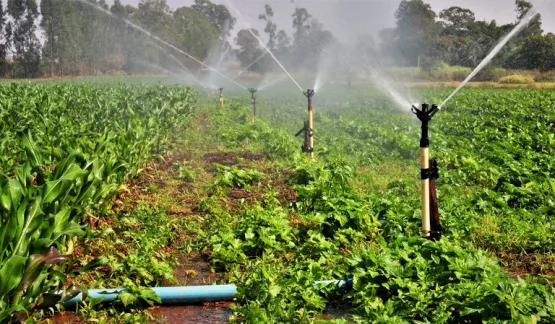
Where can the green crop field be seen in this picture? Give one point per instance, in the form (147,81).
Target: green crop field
(109,185)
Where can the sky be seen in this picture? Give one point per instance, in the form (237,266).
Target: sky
(347,19)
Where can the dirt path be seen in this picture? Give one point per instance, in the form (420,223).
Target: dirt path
(177,185)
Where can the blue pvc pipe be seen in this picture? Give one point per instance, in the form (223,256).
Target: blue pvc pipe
(187,294)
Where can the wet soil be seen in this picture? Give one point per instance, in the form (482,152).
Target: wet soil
(520,264)
(201,314)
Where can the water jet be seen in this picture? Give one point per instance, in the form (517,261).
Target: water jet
(158,39)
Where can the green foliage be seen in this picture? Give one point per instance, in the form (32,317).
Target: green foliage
(517,79)
(257,232)
(137,257)
(270,291)
(237,178)
(437,282)
(495,192)
(133,296)
(536,52)
(65,152)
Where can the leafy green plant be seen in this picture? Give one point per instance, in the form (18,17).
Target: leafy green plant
(422,281)
(257,232)
(237,178)
(66,151)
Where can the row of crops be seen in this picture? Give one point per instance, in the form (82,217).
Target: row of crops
(358,213)
(67,149)
(64,153)
(495,149)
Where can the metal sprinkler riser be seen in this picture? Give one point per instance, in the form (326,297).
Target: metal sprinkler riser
(221,97)
(431,228)
(253,101)
(310,124)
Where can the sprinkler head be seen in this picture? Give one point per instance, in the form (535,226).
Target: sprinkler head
(426,113)
(252,90)
(309,93)
(221,89)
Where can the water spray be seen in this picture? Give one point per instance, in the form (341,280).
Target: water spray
(308,130)
(431,227)
(249,66)
(238,13)
(253,101)
(523,23)
(152,36)
(221,97)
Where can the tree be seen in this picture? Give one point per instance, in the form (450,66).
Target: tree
(301,25)
(457,21)
(271,27)
(194,31)
(456,37)
(535,52)
(456,50)
(309,39)
(388,47)
(62,27)
(417,30)
(3,42)
(25,44)
(249,49)
(98,32)
(155,16)
(120,10)
(219,15)
(534,26)
(283,42)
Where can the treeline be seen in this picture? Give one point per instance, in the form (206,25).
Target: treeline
(72,37)
(454,36)
(79,39)
(421,38)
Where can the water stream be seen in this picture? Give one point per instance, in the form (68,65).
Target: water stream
(149,34)
(523,22)
(238,13)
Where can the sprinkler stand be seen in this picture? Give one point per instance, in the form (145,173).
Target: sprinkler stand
(253,101)
(221,97)
(310,131)
(425,116)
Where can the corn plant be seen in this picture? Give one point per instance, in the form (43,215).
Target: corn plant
(66,151)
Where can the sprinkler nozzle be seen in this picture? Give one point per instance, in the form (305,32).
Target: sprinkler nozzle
(252,90)
(309,93)
(425,116)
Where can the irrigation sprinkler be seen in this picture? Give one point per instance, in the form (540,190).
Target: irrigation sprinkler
(253,101)
(431,227)
(221,97)
(309,133)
